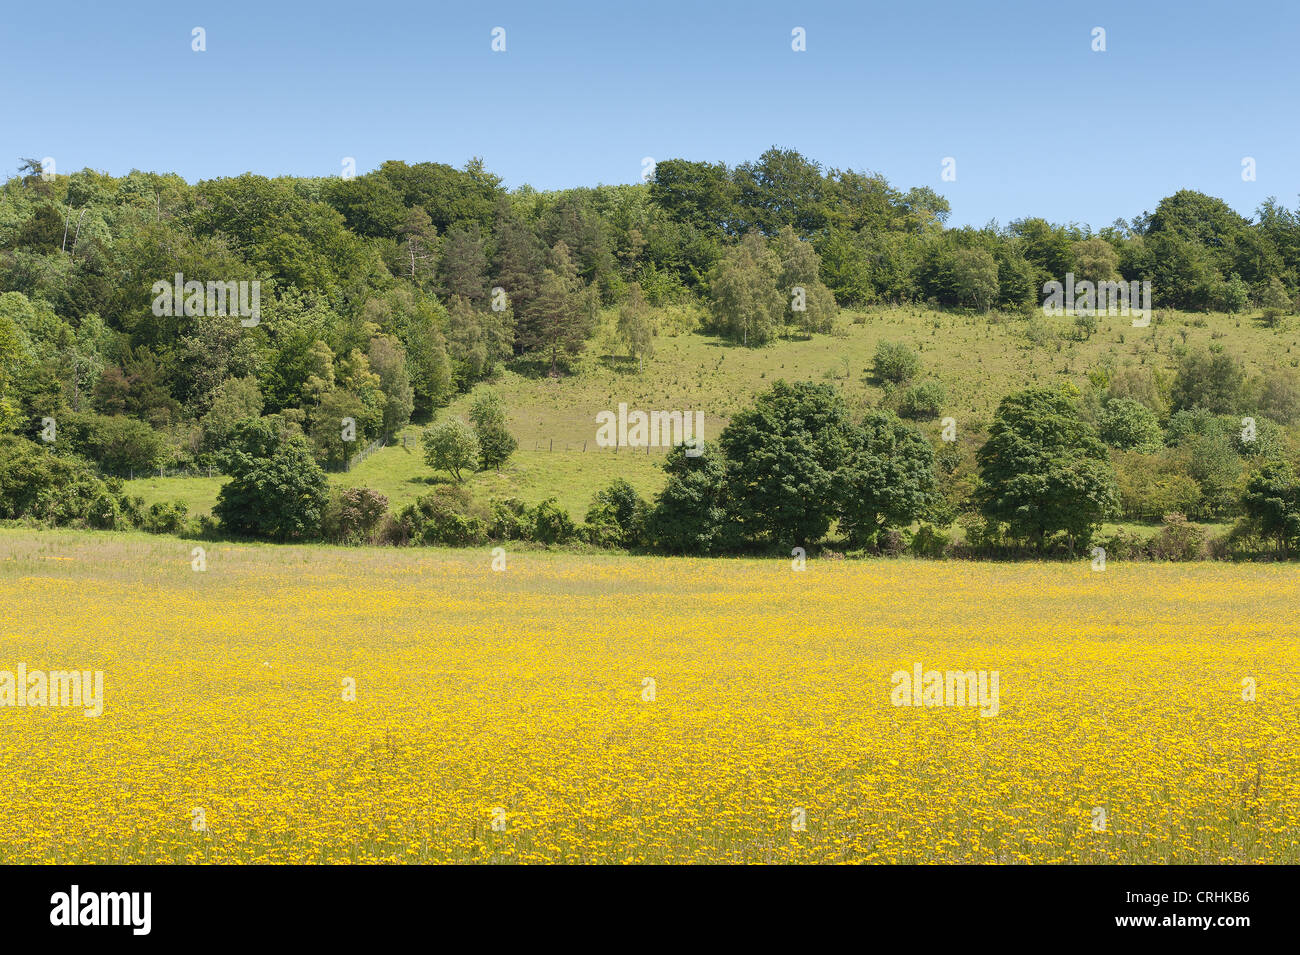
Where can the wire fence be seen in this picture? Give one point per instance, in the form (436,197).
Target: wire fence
(584,447)
(365,452)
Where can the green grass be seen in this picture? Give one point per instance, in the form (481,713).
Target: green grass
(571,476)
(199,493)
(977,358)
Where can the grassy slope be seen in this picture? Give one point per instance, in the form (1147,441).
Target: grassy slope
(977,358)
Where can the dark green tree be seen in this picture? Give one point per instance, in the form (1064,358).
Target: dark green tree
(888,480)
(1044,471)
(276,489)
(784,457)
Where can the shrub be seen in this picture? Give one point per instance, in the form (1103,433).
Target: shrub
(509,520)
(895,362)
(165,518)
(929,542)
(922,401)
(1178,540)
(442,517)
(893,542)
(1123,545)
(104,514)
(353,515)
(552,524)
(38,484)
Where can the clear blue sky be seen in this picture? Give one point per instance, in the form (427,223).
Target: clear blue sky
(1038,123)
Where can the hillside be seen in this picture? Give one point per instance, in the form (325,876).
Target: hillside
(977,358)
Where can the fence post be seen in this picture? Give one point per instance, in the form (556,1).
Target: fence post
(552,444)
(584,447)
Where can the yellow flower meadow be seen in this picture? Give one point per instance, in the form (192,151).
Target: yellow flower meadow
(625,709)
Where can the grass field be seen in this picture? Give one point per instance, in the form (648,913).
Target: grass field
(978,359)
(524,691)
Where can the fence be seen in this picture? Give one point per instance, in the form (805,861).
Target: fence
(550,445)
(172,472)
(365,452)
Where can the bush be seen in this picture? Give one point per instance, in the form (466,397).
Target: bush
(353,515)
(552,524)
(165,518)
(922,401)
(1123,545)
(893,542)
(441,517)
(38,484)
(104,514)
(509,520)
(617,516)
(895,362)
(1178,540)
(929,542)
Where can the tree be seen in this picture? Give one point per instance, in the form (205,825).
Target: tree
(1043,470)
(1272,502)
(1129,425)
(1210,381)
(809,304)
(1215,466)
(744,297)
(488,415)
(451,446)
(1234,296)
(975,277)
(419,245)
(562,316)
(477,340)
(1275,301)
(784,454)
(518,259)
(463,267)
(387,359)
(636,325)
(895,362)
(117,443)
(335,438)
(692,514)
(1095,260)
(888,480)
(276,489)
(699,194)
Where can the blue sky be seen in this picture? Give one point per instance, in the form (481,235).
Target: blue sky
(1038,123)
